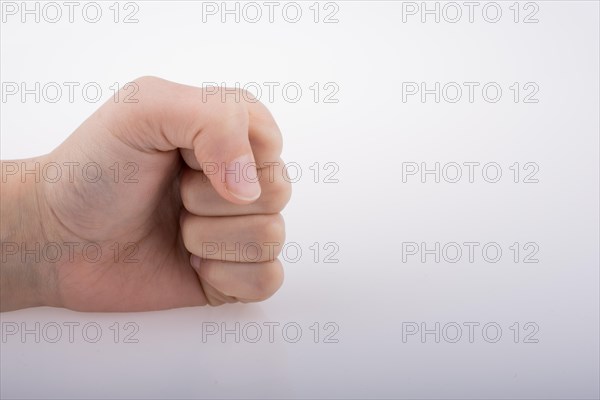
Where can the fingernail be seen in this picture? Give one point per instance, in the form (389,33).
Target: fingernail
(241,178)
(195,261)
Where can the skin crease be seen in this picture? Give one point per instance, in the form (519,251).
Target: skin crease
(147,229)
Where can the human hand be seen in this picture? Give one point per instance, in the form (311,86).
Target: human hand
(168,224)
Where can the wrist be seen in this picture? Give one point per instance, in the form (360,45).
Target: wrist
(25,273)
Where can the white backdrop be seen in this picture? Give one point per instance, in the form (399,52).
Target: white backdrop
(366,309)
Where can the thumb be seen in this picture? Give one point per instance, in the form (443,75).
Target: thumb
(223,151)
(167,116)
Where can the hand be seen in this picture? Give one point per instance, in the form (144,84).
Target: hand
(168,224)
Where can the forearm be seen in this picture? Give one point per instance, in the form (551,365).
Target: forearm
(23,272)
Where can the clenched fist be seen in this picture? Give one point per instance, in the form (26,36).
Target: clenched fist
(169,201)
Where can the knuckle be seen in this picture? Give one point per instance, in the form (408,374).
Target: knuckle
(274,228)
(149,83)
(231,116)
(235,108)
(248,96)
(278,197)
(268,280)
(147,79)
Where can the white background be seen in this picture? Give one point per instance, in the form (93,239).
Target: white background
(368,214)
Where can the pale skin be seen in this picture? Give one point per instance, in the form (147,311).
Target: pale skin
(171,231)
